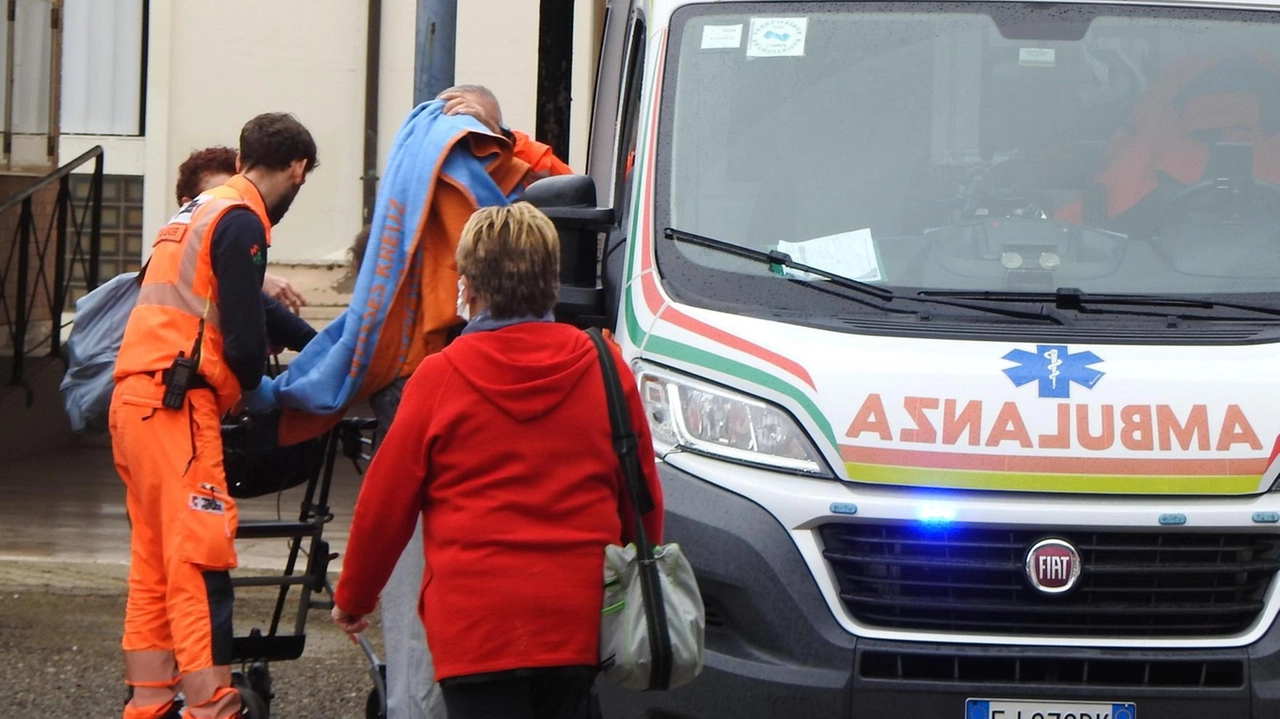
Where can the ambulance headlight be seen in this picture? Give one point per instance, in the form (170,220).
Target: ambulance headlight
(688,414)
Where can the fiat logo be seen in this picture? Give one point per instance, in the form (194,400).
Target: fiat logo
(1053,566)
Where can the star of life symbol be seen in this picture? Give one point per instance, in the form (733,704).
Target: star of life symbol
(1054,368)
(1054,363)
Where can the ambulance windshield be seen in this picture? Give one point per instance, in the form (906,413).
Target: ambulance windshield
(969,147)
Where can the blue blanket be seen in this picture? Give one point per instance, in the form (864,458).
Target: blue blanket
(330,373)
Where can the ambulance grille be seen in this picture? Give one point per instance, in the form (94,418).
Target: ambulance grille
(1085,671)
(973,580)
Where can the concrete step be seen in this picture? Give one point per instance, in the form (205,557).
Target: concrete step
(321,313)
(32,420)
(327,285)
(326,288)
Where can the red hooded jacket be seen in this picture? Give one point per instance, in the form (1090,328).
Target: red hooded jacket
(502,443)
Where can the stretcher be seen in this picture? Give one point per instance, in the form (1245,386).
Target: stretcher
(256,467)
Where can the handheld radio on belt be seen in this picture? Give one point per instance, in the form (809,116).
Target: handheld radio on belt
(182,374)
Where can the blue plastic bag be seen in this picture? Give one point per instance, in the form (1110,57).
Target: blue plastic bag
(94,343)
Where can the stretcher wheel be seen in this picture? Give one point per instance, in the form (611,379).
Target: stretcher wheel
(373,708)
(253,705)
(259,676)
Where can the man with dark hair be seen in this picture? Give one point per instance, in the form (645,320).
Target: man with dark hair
(195,347)
(213,166)
(273,142)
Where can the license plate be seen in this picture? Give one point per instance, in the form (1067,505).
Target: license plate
(1020,709)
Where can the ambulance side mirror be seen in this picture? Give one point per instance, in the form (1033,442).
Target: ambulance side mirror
(570,202)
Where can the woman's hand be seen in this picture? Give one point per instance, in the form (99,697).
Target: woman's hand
(349,623)
(283,291)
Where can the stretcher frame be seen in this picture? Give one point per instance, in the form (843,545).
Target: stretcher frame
(254,652)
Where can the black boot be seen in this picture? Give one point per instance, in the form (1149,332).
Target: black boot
(175,710)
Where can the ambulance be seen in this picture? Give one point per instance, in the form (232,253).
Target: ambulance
(958,329)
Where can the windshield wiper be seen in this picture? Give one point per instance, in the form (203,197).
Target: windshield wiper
(1071,298)
(775,258)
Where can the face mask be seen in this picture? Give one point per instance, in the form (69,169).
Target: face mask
(463,306)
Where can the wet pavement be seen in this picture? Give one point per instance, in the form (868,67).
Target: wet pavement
(64,549)
(69,507)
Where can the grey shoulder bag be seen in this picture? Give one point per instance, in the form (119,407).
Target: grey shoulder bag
(653,620)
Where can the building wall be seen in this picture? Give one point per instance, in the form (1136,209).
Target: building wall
(304,57)
(36,290)
(396,73)
(212,66)
(498,48)
(588,18)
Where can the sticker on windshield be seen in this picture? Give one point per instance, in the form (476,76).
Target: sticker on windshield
(720,37)
(777,36)
(1037,57)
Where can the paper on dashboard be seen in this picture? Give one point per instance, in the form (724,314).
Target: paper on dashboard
(848,254)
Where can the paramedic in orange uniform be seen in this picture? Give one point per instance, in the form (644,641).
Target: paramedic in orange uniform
(209,168)
(213,166)
(195,347)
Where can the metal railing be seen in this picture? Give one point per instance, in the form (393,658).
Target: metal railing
(64,236)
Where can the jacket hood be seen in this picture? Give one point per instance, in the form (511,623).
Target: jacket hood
(525,370)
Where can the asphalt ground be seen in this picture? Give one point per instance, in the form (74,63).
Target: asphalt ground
(60,625)
(64,552)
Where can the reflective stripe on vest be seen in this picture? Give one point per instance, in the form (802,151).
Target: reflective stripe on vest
(182,296)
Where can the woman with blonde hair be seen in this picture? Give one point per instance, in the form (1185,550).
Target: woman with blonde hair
(502,445)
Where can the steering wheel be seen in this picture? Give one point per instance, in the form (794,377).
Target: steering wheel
(1250,200)
(1002,190)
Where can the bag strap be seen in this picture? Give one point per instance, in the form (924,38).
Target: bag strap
(625,445)
(624,439)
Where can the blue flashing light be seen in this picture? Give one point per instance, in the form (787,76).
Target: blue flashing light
(1266,517)
(936,515)
(1173,519)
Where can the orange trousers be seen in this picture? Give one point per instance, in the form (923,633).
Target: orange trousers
(177,627)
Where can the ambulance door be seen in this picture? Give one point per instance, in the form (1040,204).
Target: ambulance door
(623,163)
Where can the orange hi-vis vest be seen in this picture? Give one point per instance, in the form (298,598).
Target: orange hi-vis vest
(179,291)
